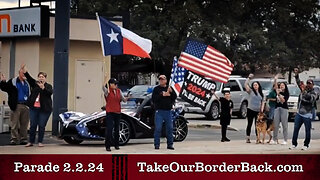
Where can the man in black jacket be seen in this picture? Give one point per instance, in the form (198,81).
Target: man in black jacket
(310,85)
(163,99)
(306,104)
(18,90)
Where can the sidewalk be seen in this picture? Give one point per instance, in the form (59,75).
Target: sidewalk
(186,147)
(210,124)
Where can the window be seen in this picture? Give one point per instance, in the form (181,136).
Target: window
(242,82)
(233,85)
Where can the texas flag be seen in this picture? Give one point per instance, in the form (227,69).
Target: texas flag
(116,40)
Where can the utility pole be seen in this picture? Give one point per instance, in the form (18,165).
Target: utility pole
(61,62)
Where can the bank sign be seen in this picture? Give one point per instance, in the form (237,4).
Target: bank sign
(24,22)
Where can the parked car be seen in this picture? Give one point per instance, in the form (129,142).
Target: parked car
(137,121)
(316,82)
(140,90)
(238,95)
(267,84)
(317,90)
(124,88)
(294,92)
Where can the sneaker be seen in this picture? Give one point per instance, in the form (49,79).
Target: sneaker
(108,149)
(13,143)
(226,139)
(156,147)
(272,142)
(40,145)
(304,148)
(170,147)
(293,147)
(23,143)
(28,145)
(248,140)
(117,147)
(284,143)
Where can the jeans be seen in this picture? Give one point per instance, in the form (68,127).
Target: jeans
(271,113)
(314,114)
(298,121)
(112,123)
(163,115)
(39,119)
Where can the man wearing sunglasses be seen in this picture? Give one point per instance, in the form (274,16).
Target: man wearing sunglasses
(163,98)
(306,110)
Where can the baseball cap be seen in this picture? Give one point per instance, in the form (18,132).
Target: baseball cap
(226,90)
(162,77)
(309,81)
(113,81)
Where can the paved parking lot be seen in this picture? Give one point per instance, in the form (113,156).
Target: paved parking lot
(203,138)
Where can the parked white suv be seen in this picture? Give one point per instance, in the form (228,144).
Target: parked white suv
(238,95)
(266,84)
(294,93)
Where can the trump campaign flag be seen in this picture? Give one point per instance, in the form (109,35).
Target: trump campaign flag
(116,40)
(206,61)
(177,76)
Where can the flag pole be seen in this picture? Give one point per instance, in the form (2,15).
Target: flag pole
(174,72)
(101,39)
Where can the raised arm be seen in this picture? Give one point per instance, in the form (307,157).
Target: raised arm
(296,76)
(246,84)
(105,88)
(30,79)
(275,81)
(3,83)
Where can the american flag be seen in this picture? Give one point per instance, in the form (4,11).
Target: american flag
(177,76)
(205,60)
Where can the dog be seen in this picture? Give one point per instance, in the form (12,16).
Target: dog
(262,127)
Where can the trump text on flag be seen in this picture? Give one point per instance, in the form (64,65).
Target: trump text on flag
(197,90)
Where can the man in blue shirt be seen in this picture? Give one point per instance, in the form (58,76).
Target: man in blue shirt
(18,90)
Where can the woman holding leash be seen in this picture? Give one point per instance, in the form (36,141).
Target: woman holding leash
(255,104)
(281,112)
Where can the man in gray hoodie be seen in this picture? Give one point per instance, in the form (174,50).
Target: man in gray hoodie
(304,115)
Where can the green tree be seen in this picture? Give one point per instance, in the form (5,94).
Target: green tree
(251,33)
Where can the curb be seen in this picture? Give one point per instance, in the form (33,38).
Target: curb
(211,126)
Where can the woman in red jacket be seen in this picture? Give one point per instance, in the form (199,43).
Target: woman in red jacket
(113,97)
